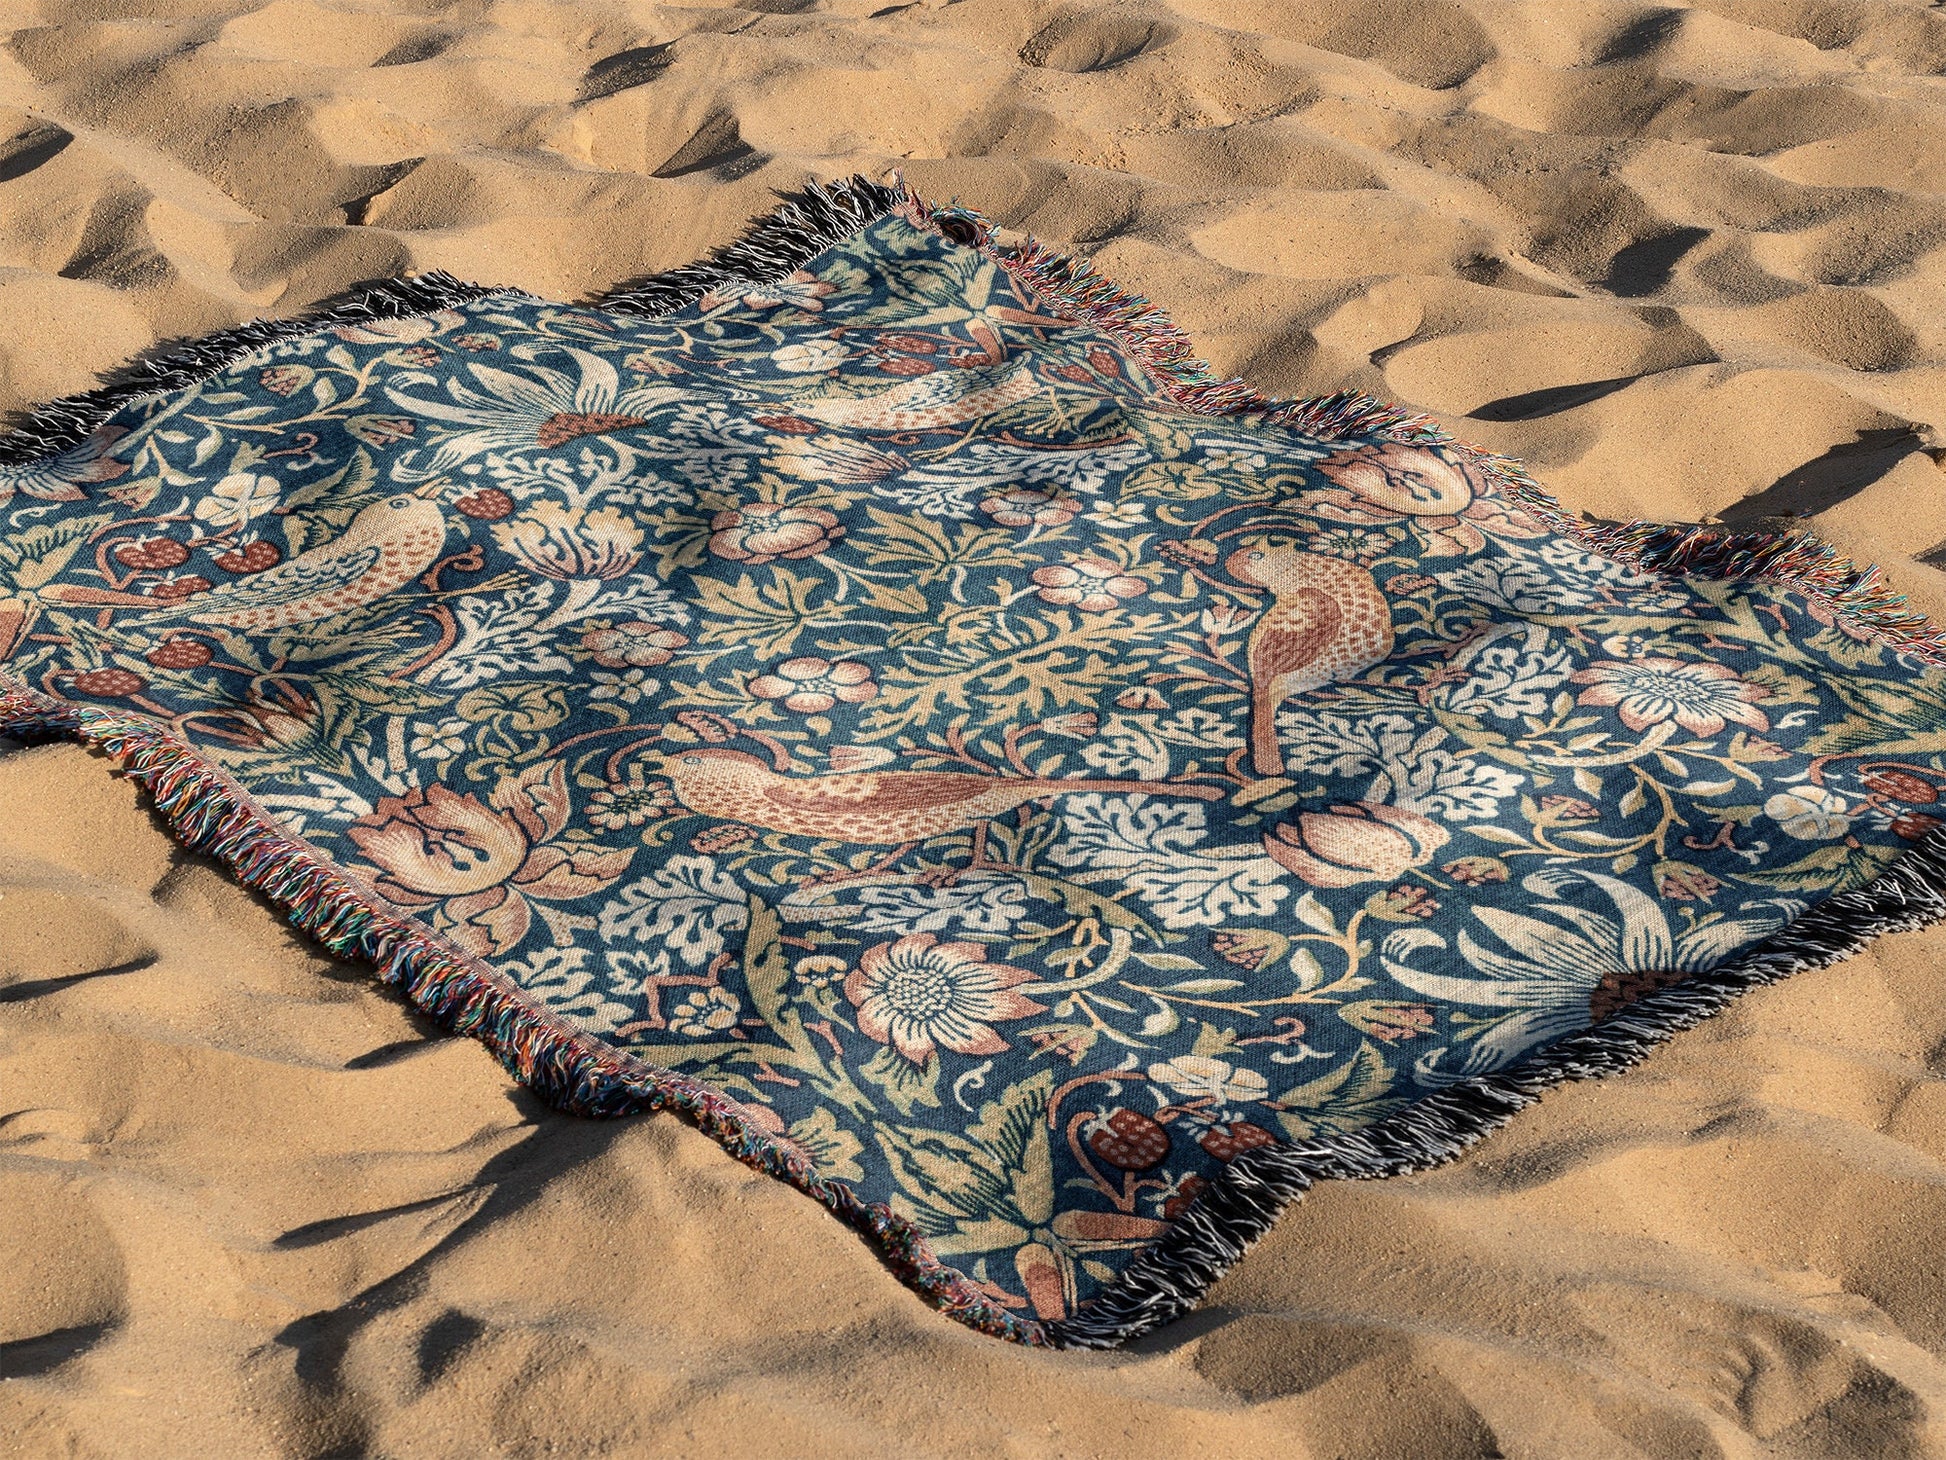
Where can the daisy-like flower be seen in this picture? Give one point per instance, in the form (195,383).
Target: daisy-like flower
(1700,697)
(919,995)
(808,685)
(1093,585)
(631,802)
(438,739)
(537,406)
(634,645)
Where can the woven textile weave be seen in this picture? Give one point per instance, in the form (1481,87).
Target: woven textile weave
(876,694)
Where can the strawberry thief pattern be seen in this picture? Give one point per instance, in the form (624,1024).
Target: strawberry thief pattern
(876,694)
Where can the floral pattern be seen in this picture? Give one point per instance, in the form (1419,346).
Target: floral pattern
(870,696)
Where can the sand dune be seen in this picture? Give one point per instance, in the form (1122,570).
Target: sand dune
(1686,259)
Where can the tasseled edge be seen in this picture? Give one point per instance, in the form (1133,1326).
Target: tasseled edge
(579,1073)
(1171,1275)
(61,424)
(770,248)
(1800,560)
(567,1067)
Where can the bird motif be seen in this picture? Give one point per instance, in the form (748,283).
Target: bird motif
(869,808)
(1328,620)
(387,545)
(925,402)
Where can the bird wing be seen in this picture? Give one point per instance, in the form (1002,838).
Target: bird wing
(956,395)
(288,582)
(1293,633)
(892,791)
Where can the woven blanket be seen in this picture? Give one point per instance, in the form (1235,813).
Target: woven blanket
(876,694)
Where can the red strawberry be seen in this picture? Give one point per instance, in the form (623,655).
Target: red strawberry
(181,587)
(152,553)
(179,654)
(1902,785)
(250,557)
(109,683)
(488,504)
(564,426)
(1226,1143)
(1130,1141)
(1915,826)
(1191,1188)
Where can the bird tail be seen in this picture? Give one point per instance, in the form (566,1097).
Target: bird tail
(1265,753)
(78,596)
(1151,788)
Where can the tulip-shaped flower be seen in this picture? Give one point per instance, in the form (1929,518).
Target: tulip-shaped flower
(1362,841)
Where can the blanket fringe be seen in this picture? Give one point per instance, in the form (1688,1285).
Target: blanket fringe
(568,1068)
(577,1072)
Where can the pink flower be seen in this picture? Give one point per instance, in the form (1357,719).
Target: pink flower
(380,430)
(1415,481)
(1092,585)
(479,864)
(1363,841)
(920,994)
(810,686)
(1030,507)
(1698,696)
(1389,1022)
(633,645)
(764,531)
(1474,871)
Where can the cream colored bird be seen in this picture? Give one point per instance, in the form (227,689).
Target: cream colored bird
(1328,620)
(387,545)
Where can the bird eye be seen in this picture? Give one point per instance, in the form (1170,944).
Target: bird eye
(1256,557)
(692,760)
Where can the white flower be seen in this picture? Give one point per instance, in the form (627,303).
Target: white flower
(1201,1078)
(704,1012)
(439,740)
(1809,813)
(626,687)
(1119,514)
(238,498)
(809,357)
(1541,970)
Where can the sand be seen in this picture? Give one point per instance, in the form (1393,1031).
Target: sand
(1686,259)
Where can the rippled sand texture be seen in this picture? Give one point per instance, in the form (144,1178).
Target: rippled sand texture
(1685,259)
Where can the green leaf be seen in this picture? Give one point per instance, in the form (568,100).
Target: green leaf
(1203,986)
(905,1084)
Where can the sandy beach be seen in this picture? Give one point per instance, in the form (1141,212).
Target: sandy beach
(1686,260)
